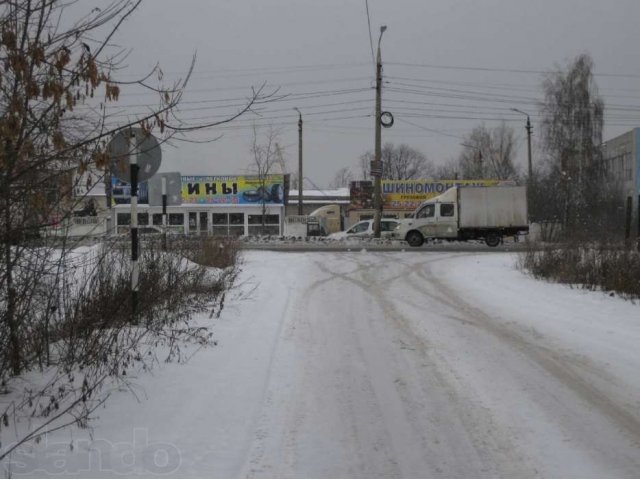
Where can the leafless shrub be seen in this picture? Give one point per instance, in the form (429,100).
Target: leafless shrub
(89,338)
(210,251)
(606,266)
(66,328)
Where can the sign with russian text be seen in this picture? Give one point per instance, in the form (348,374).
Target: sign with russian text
(409,194)
(233,190)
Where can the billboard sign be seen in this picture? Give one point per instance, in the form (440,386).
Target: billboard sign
(406,194)
(234,190)
(409,194)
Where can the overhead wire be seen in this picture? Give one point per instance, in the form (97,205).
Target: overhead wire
(504,70)
(467,100)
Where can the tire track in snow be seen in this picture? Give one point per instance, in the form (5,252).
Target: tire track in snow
(469,430)
(276,449)
(571,372)
(273,449)
(399,407)
(557,364)
(418,448)
(253,464)
(349,394)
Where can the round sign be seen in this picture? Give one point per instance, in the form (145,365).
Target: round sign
(148,158)
(386,119)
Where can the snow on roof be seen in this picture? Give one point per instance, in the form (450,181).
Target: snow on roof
(339,192)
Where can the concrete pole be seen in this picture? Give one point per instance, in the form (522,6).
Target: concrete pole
(300,176)
(529,131)
(377,162)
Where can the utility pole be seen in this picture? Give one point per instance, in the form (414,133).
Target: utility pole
(376,167)
(529,129)
(300,177)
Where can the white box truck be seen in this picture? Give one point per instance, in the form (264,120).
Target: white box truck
(468,213)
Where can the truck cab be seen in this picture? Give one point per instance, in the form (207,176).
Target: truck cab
(435,218)
(329,218)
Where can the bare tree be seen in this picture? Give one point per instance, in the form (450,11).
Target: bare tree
(488,153)
(267,156)
(399,163)
(450,170)
(572,124)
(58,78)
(342,178)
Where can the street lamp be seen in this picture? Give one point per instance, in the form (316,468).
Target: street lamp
(376,171)
(300,211)
(529,131)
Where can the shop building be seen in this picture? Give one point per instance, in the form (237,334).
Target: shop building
(621,157)
(211,205)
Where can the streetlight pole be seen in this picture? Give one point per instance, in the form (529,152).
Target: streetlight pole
(300,177)
(376,171)
(529,129)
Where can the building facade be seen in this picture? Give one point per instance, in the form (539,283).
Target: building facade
(621,157)
(210,205)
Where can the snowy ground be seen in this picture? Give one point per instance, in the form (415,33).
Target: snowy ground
(381,364)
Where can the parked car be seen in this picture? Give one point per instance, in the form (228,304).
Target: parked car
(364,228)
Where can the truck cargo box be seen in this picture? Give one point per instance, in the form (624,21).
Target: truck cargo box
(489,207)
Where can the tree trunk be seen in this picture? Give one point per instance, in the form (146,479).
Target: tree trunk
(10,318)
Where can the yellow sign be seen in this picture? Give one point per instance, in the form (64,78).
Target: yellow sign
(409,194)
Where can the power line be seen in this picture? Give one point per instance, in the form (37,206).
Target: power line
(430,129)
(504,70)
(515,87)
(241,72)
(457,91)
(249,87)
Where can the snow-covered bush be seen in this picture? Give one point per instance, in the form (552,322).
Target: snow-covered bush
(78,333)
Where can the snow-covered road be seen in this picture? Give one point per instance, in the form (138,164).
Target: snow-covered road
(373,364)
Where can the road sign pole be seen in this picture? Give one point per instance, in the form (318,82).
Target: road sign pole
(164,213)
(135,157)
(133,165)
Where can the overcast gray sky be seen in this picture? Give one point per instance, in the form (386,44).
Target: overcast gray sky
(449,65)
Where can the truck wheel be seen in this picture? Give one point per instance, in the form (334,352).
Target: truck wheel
(492,240)
(414,239)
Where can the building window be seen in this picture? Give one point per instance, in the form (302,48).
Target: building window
(176,219)
(271,225)
(219,219)
(124,219)
(231,224)
(628,170)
